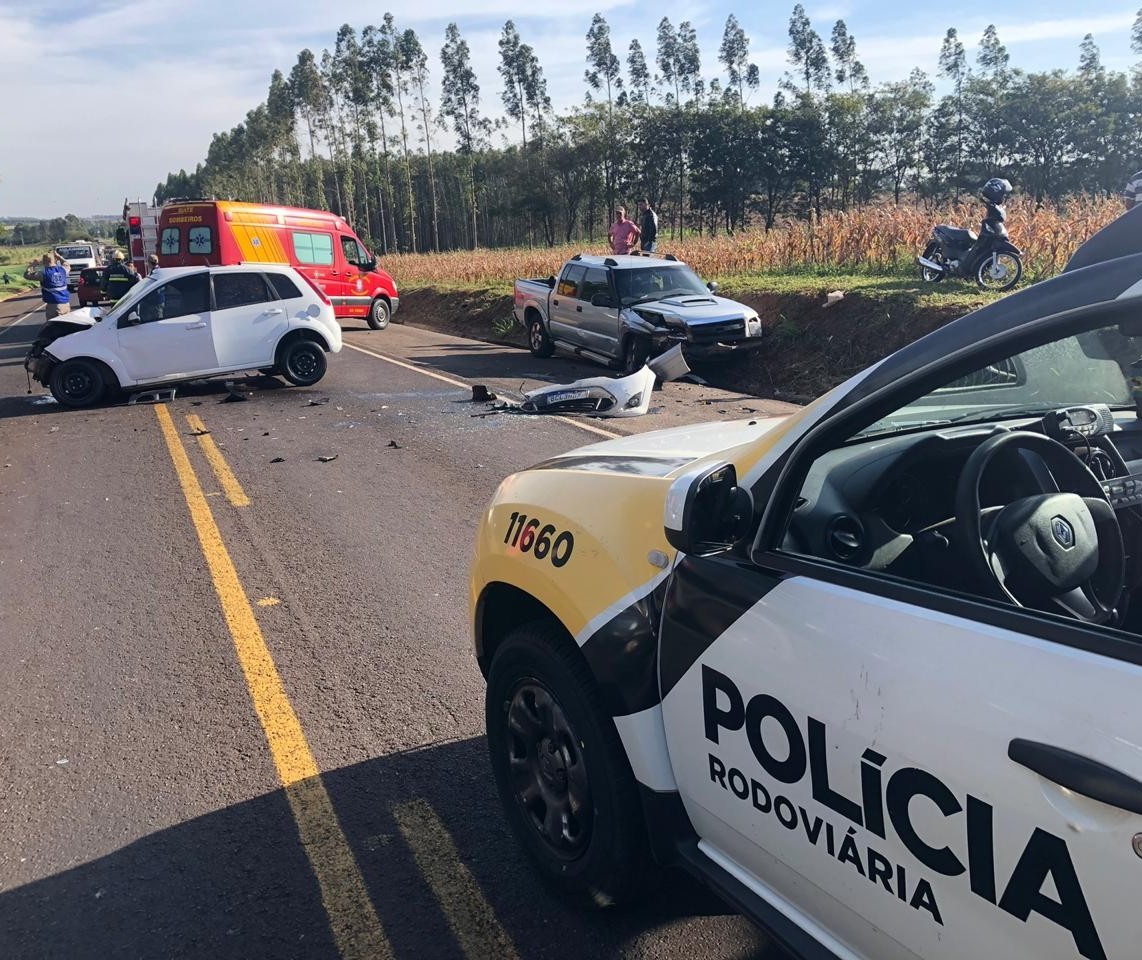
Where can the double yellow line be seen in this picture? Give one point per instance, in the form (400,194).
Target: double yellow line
(353,920)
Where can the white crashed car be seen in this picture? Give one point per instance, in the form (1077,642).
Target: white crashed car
(187,323)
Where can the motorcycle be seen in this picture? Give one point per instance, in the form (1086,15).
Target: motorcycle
(990,258)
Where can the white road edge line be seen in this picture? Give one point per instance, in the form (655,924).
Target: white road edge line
(19,320)
(598,431)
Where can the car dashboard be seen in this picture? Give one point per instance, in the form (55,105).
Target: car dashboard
(887,503)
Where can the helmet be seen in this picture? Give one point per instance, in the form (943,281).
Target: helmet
(117,255)
(996,190)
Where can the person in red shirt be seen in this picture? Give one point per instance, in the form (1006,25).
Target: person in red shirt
(624,233)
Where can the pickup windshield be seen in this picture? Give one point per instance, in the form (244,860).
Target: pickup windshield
(658,282)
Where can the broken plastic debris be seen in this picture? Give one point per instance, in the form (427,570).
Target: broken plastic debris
(833,297)
(152,396)
(278,460)
(324,459)
(317,402)
(394,445)
(481,394)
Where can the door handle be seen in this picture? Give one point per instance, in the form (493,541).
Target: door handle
(277,312)
(195,326)
(1078,773)
(555,303)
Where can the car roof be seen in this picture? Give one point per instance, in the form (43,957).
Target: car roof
(231,268)
(626,261)
(1107,267)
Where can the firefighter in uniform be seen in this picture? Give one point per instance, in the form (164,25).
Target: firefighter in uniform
(118,279)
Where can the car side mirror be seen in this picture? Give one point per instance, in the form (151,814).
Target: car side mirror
(550,281)
(131,320)
(712,286)
(368,266)
(706,511)
(602,300)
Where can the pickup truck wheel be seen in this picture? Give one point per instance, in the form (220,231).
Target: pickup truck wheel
(379,314)
(564,780)
(538,340)
(636,351)
(302,362)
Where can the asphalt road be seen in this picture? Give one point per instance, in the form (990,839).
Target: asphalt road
(241,717)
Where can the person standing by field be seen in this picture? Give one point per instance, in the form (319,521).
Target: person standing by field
(52,275)
(649,227)
(624,233)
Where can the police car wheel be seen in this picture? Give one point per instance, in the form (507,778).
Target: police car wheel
(563,778)
(78,383)
(379,314)
(302,362)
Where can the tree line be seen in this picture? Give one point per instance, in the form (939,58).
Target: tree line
(56,230)
(355,130)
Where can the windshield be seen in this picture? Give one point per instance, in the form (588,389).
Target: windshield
(657,282)
(133,295)
(1091,367)
(76,253)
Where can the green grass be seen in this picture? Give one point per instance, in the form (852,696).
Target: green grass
(13,260)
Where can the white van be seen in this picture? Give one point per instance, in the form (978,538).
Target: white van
(79,256)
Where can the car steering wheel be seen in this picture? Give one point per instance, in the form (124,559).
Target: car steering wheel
(1053,549)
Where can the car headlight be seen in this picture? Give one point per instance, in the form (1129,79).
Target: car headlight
(753,326)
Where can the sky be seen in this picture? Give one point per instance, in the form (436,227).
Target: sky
(113,94)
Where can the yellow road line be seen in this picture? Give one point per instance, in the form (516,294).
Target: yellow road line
(230,485)
(415,368)
(468,913)
(353,920)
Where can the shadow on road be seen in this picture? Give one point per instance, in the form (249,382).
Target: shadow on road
(236,883)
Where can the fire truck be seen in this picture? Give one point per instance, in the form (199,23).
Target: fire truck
(142,237)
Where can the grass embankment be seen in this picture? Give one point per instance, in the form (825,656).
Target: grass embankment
(13,260)
(785,274)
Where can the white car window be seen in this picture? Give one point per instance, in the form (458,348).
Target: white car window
(176,298)
(240,290)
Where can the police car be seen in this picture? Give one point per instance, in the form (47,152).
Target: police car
(873,671)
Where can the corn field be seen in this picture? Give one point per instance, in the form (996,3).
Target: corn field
(875,239)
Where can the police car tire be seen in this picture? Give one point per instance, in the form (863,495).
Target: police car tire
(613,867)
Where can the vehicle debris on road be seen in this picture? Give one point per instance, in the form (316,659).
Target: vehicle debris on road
(327,459)
(627,396)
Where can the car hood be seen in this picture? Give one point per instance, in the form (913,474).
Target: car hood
(661,452)
(81,317)
(696,308)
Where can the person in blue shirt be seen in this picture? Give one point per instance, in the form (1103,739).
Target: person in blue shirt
(52,274)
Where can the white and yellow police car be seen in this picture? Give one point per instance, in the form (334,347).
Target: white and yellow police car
(873,671)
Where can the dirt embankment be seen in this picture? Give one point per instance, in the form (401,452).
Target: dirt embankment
(812,347)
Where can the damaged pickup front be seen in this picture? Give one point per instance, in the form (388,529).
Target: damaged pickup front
(621,310)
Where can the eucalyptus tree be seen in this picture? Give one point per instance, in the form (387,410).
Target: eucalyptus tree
(734,56)
(680,66)
(415,61)
(604,72)
(460,103)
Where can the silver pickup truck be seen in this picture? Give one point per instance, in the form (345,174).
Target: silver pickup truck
(620,310)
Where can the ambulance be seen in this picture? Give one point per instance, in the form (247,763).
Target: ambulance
(321,246)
